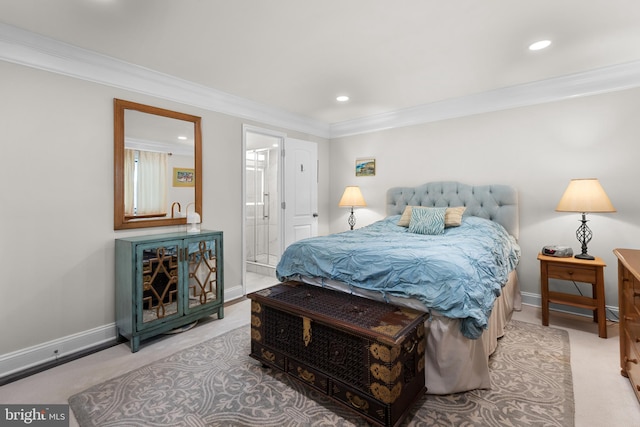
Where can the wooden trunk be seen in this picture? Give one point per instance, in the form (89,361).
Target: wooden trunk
(366,355)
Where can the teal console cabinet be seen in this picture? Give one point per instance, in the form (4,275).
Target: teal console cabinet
(166,281)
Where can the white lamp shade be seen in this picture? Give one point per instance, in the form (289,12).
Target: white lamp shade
(351,197)
(585,195)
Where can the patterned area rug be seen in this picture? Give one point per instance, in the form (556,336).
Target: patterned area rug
(216,383)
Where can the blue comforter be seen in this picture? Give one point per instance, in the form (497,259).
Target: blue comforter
(458,274)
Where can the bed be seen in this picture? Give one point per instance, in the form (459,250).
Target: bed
(446,248)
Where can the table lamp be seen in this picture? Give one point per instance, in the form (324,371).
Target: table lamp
(584,195)
(352,197)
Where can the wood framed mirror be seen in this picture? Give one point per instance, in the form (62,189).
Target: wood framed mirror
(157,166)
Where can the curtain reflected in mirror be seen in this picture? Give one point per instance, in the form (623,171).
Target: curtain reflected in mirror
(157,166)
(146,184)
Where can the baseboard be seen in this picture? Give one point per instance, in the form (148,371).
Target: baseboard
(31,360)
(55,352)
(233,293)
(535,300)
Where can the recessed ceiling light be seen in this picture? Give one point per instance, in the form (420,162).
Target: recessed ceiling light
(182,138)
(342,98)
(540,45)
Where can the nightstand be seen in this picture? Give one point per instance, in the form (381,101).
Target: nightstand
(575,270)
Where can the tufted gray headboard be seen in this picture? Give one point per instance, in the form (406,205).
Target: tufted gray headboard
(497,203)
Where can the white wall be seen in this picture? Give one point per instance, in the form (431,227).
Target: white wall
(56,216)
(535,149)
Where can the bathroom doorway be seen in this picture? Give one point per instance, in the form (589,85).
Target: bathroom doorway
(262,195)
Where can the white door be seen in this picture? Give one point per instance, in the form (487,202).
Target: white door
(300,189)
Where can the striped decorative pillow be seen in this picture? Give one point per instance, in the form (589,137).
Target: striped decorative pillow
(427,220)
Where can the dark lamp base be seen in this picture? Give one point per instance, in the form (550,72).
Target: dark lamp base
(583,234)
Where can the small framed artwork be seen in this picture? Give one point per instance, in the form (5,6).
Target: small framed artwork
(184,177)
(365,167)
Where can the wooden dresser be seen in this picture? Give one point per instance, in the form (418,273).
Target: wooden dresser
(629,302)
(367,356)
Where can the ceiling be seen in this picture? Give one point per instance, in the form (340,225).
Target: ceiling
(386,55)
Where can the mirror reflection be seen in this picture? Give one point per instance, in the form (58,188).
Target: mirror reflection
(156,166)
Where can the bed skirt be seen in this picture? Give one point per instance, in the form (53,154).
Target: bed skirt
(454,363)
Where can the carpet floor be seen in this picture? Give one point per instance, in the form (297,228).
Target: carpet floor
(216,383)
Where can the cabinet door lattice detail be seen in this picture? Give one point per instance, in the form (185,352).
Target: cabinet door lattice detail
(203,268)
(159,283)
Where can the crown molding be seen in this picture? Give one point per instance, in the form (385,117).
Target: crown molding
(601,80)
(32,50)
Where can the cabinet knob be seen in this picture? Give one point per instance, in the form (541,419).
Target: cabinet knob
(627,360)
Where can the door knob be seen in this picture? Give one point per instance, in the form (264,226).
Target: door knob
(315,215)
